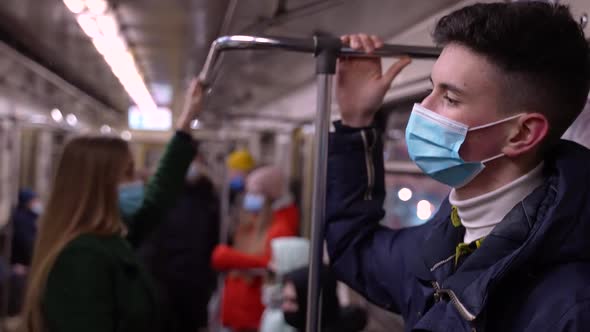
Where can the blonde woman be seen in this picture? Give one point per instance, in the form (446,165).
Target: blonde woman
(84,275)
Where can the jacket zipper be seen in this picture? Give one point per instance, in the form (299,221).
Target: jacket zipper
(369,164)
(438,292)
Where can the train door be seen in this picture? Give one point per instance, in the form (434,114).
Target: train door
(40,149)
(9,170)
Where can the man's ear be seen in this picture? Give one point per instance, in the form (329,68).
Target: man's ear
(532,128)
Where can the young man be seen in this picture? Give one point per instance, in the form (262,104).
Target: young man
(509,250)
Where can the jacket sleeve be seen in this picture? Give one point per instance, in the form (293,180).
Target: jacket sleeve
(163,188)
(370,258)
(79,294)
(225,258)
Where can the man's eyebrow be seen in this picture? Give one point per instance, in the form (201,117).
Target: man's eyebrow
(449,86)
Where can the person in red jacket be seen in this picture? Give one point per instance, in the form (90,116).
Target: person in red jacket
(268,212)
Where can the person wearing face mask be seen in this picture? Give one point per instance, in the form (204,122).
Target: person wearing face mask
(288,254)
(239,163)
(24,233)
(179,251)
(268,212)
(84,274)
(508,250)
(24,223)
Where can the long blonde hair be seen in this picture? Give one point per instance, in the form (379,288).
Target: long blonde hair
(83,200)
(251,235)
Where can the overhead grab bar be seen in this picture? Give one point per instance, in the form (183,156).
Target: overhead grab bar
(303,45)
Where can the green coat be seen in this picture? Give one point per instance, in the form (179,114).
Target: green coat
(97,283)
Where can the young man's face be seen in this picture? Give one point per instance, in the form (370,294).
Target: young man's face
(469,89)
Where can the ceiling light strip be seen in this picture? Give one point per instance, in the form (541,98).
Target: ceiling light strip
(99,23)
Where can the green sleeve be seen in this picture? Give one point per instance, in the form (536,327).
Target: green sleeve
(79,294)
(164,187)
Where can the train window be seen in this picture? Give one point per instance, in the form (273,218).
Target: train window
(412,198)
(159,119)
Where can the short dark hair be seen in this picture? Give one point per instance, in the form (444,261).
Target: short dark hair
(538,46)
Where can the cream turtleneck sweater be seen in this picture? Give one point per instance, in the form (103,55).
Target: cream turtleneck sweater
(479,215)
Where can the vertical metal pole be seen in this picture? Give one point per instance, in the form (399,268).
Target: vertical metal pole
(224,209)
(322,127)
(224,220)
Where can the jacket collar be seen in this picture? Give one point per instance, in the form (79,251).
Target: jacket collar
(502,252)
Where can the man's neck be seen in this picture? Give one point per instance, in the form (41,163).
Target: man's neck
(497,174)
(480,215)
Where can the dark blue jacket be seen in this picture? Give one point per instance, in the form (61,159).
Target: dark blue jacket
(532,273)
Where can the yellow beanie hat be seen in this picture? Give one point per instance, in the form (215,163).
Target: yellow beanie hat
(240,160)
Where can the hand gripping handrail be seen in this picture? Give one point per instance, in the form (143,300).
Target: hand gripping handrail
(302,45)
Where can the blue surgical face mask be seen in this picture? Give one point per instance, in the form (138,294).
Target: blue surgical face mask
(434,142)
(37,208)
(253,202)
(130,198)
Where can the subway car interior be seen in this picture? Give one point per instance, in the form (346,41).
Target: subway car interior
(255,230)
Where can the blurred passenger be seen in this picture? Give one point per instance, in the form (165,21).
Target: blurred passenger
(333,317)
(288,254)
(15,277)
(509,249)
(267,213)
(179,253)
(239,163)
(85,275)
(24,225)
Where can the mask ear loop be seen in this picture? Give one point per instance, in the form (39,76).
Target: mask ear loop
(493,158)
(500,155)
(496,122)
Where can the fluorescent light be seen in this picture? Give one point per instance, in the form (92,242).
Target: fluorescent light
(105,129)
(100,24)
(88,25)
(160,119)
(97,7)
(404,194)
(126,135)
(56,115)
(75,6)
(108,25)
(424,210)
(71,119)
(195,124)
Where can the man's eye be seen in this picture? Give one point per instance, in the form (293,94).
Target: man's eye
(451,101)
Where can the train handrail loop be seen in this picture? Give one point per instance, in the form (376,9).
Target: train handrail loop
(326,50)
(302,45)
